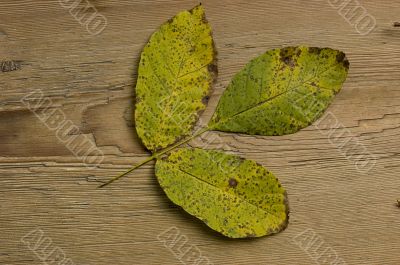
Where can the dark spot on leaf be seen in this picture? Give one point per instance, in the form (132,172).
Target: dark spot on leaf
(212,68)
(340,57)
(289,61)
(396,24)
(232,182)
(286,56)
(315,50)
(205,100)
(346,63)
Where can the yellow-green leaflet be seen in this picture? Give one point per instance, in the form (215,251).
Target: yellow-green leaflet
(281,91)
(236,197)
(176,71)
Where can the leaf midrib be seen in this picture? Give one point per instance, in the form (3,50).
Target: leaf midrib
(176,76)
(270,99)
(234,195)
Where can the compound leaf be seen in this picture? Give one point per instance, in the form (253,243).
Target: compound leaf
(281,91)
(176,71)
(233,196)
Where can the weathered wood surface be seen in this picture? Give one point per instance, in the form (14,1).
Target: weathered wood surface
(91,79)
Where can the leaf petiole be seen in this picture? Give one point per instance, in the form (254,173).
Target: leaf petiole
(156,155)
(127,172)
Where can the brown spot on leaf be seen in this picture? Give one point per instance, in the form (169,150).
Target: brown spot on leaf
(285,52)
(213,68)
(315,50)
(205,100)
(232,182)
(289,61)
(287,56)
(396,24)
(340,57)
(346,64)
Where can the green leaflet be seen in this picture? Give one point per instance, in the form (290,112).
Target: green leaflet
(281,91)
(233,196)
(176,71)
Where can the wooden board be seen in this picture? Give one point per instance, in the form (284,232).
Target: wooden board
(90,78)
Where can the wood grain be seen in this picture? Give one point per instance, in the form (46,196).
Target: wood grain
(91,79)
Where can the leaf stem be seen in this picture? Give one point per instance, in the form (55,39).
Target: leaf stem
(127,172)
(156,155)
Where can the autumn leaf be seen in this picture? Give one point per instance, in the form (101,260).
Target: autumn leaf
(236,197)
(176,71)
(277,93)
(281,91)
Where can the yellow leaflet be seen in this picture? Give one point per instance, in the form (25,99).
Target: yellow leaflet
(176,71)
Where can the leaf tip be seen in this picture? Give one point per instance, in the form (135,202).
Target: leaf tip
(199,8)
